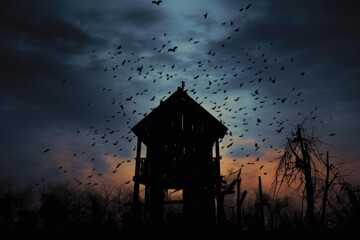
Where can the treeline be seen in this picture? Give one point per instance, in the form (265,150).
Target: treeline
(288,213)
(62,211)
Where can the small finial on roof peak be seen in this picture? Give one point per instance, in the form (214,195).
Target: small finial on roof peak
(182,85)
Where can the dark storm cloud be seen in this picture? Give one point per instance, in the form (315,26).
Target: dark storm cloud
(39,46)
(138,17)
(42,38)
(39,23)
(319,35)
(36,29)
(307,25)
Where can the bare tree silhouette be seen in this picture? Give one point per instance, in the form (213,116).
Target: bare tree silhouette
(306,169)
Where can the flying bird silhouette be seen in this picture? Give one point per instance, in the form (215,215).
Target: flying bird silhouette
(139,69)
(157,2)
(172,49)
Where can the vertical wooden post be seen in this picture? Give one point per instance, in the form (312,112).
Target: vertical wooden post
(146,207)
(136,203)
(261,205)
(220,197)
(238,204)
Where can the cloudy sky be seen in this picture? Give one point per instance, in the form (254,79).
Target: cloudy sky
(77,75)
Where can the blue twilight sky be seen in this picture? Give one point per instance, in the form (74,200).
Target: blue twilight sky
(77,75)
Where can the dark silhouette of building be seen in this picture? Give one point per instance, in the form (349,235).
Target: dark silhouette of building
(181,142)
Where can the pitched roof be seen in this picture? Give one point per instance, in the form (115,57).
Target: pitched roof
(179,103)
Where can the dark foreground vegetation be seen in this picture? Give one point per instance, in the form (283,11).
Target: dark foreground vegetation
(61,211)
(326,206)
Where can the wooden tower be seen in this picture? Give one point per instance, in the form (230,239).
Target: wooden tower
(182,152)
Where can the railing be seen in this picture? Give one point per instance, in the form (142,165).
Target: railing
(144,169)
